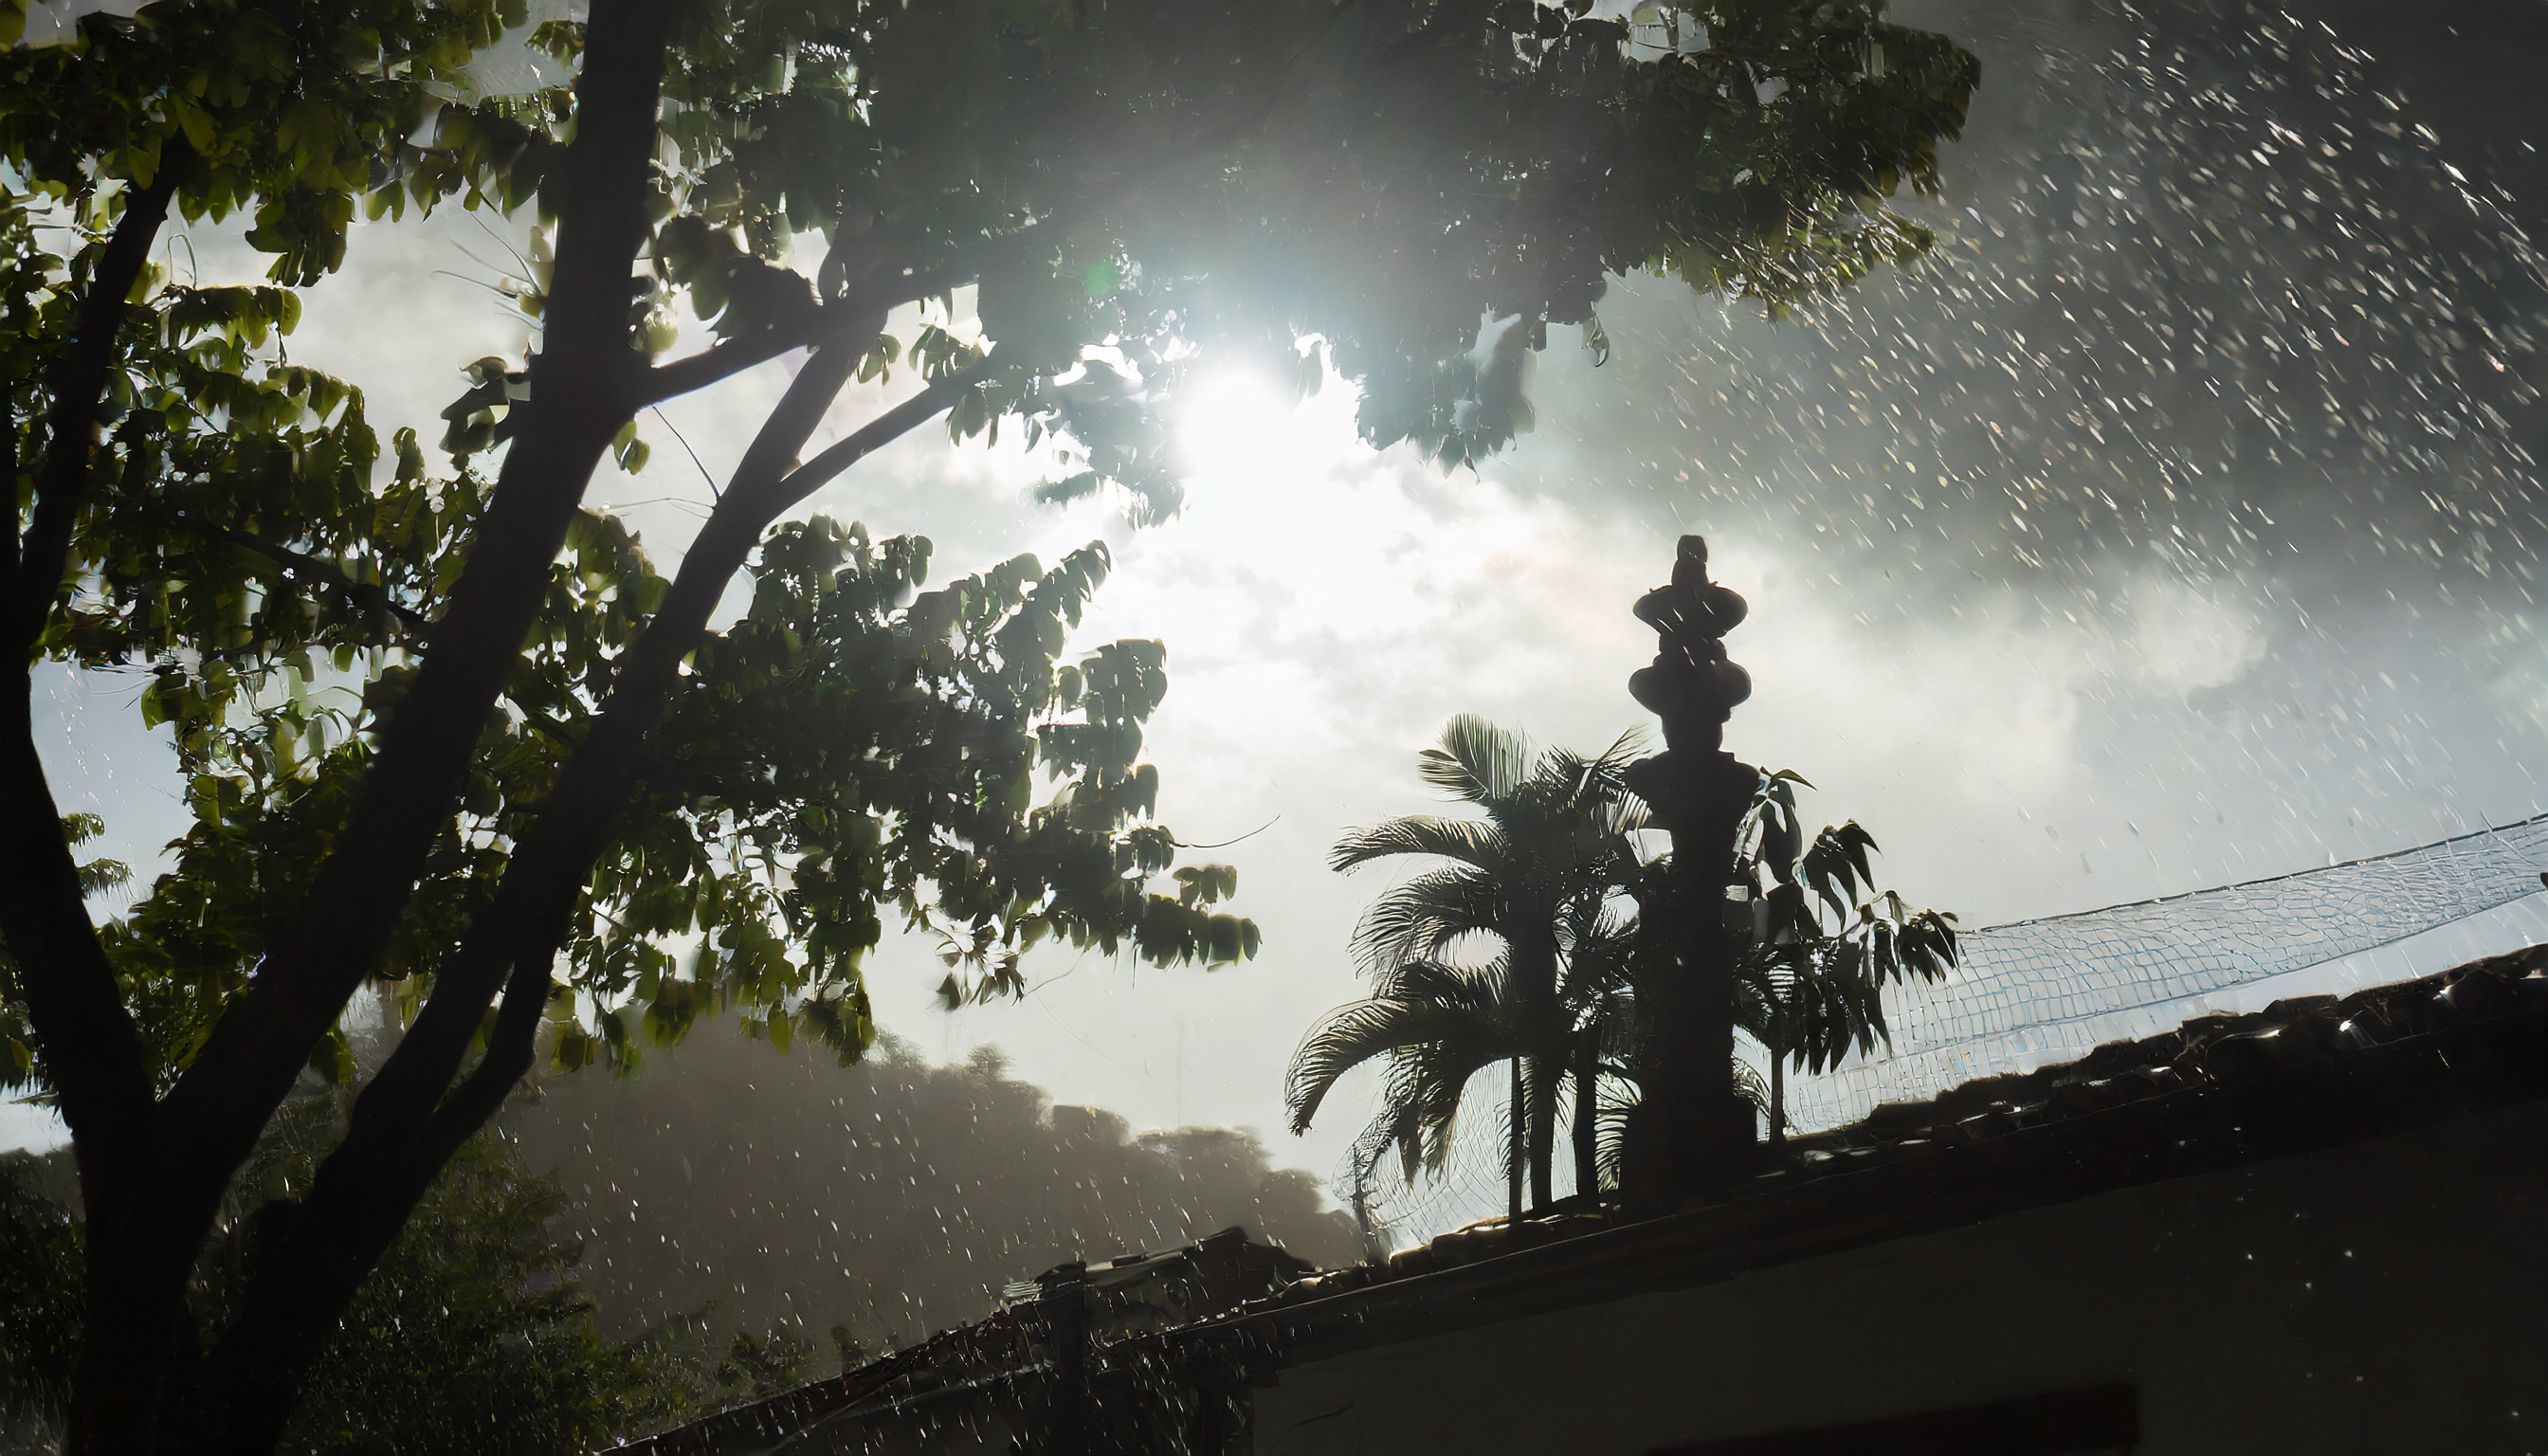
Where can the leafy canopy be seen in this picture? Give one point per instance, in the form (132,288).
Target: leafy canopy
(1410,193)
(1138,186)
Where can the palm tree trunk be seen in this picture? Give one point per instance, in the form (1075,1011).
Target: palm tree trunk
(1548,1073)
(1516,1118)
(1587,1107)
(1777,1097)
(1534,993)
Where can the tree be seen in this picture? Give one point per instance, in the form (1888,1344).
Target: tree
(1809,986)
(1599,996)
(1820,946)
(1534,877)
(473,1334)
(450,730)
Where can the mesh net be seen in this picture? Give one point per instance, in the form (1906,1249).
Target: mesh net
(2048,990)
(1469,1185)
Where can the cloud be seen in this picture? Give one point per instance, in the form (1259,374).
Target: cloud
(2187,637)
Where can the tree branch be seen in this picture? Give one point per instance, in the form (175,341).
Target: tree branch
(76,384)
(481,1093)
(870,437)
(844,320)
(92,1053)
(583,383)
(822,326)
(370,594)
(520,929)
(529,920)
(404,1128)
(549,865)
(862,308)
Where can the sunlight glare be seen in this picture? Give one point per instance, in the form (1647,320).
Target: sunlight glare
(1237,428)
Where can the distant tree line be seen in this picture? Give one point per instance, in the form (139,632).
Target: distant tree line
(618,1257)
(894,1198)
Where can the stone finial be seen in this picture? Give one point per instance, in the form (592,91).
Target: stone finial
(1691,684)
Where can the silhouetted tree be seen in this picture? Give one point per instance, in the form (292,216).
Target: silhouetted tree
(473,1333)
(1825,942)
(1554,850)
(1534,876)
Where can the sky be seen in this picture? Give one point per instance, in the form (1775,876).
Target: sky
(2179,522)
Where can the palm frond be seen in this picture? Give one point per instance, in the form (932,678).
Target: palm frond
(1460,1007)
(1749,1085)
(1477,842)
(1421,1102)
(1477,761)
(1599,945)
(1422,917)
(1600,779)
(1351,1036)
(1611,1130)
(1467,987)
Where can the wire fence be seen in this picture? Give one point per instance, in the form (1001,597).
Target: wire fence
(2041,992)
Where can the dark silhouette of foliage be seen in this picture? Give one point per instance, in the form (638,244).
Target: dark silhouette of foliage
(1825,942)
(1534,877)
(473,1334)
(40,1263)
(1553,867)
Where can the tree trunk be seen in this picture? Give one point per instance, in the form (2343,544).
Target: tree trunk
(1777,1096)
(1548,1073)
(137,1339)
(133,1337)
(137,1386)
(1516,1153)
(1588,1108)
(583,385)
(1533,993)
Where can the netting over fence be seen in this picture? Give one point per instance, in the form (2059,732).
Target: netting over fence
(1469,1185)
(2048,990)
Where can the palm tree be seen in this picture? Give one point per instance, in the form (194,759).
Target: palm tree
(1438,1025)
(1532,877)
(1597,998)
(1809,988)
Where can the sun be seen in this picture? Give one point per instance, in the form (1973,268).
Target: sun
(1239,429)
